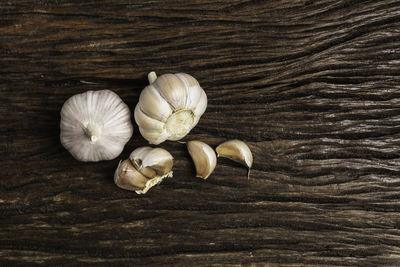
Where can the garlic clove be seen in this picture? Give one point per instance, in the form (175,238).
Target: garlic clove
(145,168)
(237,151)
(154,137)
(127,177)
(200,108)
(146,122)
(152,162)
(95,125)
(136,157)
(193,90)
(152,104)
(204,158)
(201,105)
(138,154)
(172,89)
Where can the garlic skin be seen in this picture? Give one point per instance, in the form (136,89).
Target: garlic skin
(145,168)
(203,157)
(237,151)
(169,107)
(95,125)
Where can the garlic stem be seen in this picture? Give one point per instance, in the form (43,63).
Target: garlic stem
(92,132)
(152,76)
(93,138)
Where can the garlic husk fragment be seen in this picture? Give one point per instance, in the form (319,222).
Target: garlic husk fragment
(203,157)
(237,151)
(145,168)
(169,107)
(95,125)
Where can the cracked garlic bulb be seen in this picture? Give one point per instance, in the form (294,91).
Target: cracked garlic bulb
(169,107)
(145,168)
(95,125)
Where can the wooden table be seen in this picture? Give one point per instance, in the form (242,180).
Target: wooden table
(312,86)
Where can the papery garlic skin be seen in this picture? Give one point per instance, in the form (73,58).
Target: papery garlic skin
(95,125)
(237,151)
(145,168)
(169,107)
(203,157)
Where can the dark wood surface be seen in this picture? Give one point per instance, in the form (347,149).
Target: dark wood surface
(312,86)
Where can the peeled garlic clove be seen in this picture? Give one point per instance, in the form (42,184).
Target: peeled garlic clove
(169,107)
(204,158)
(152,162)
(95,125)
(237,151)
(127,177)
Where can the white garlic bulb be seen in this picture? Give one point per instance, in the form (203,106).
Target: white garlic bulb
(95,125)
(169,107)
(145,168)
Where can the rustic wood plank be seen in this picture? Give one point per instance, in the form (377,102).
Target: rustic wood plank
(312,86)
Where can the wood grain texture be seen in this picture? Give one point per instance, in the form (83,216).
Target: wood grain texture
(312,86)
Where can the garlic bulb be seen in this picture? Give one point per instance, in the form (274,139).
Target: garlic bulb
(145,168)
(169,107)
(95,125)
(203,157)
(237,151)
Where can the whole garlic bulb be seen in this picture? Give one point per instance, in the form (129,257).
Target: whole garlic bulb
(95,125)
(169,107)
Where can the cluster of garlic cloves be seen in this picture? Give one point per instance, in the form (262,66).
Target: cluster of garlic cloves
(205,160)
(145,168)
(169,107)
